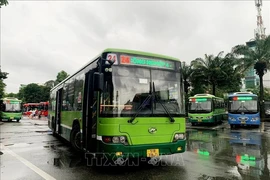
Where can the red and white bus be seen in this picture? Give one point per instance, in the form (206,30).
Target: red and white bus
(41,107)
(44,108)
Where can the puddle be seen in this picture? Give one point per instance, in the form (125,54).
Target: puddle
(41,124)
(9,144)
(44,131)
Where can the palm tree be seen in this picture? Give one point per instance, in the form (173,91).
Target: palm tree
(186,73)
(210,70)
(258,58)
(3,2)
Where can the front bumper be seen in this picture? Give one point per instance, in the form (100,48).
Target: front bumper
(140,151)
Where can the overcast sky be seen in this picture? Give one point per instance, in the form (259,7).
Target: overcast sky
(39,39)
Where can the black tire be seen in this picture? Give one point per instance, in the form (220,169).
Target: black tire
(232,126)
(18,120)
(75,139)
(192,124)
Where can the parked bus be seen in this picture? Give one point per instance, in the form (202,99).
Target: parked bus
(28,107)
(43,107)
(243,109)
(126,103)
(205,109)
(11,109)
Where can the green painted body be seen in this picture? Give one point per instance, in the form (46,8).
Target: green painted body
(137,134)
(138,137)
(216,115)
(11,116)
(67,117)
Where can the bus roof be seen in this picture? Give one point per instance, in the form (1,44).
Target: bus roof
(10,99)
(233,95)
(140,53)
(121,51)
(204,96)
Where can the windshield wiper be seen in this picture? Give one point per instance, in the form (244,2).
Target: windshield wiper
(164,107)
(144,103)
(243,106)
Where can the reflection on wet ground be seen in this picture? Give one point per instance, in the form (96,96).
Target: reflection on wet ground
(244,150)
(241,153)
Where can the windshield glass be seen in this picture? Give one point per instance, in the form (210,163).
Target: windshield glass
(243,106)
(200,106)
(130,87)
(12,106)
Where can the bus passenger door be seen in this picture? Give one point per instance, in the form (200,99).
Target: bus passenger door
(89,114)
(59,101)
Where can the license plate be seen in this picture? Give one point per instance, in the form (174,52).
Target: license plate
(199,120)
(243,122)
(11,117)
(152,152)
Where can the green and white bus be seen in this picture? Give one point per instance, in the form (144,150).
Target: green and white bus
(123,102)
(206,109)
(11,109)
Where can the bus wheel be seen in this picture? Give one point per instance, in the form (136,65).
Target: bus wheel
(18,120)
(75,139)
(192,124)
(232,126)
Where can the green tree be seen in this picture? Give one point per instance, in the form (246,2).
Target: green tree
(257,58)
(3,2)
(11,95)
(186,74)
(60,77)
(49,83)
(256,90)
(3,75)
(34,93)
(217,74)
(210,70)
(45,93)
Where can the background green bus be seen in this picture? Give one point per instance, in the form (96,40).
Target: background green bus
(11,109)
(124,102)
(205,109)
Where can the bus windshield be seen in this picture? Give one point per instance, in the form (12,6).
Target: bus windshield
(12,107)
(200,106)
(250,106)
(130,89)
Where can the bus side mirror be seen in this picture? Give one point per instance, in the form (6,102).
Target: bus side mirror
(98,81)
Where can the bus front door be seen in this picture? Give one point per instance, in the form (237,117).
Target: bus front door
(89,116)
(59,101)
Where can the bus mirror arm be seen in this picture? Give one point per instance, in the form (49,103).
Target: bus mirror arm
(98,81)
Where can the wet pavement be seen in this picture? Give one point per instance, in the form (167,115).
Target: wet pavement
(29,151)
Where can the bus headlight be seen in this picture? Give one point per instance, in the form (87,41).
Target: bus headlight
(178,136)
(122,139)
(255,119)
(115,139)
(232,118)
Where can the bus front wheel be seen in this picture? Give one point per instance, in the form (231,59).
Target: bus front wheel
(75,139)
